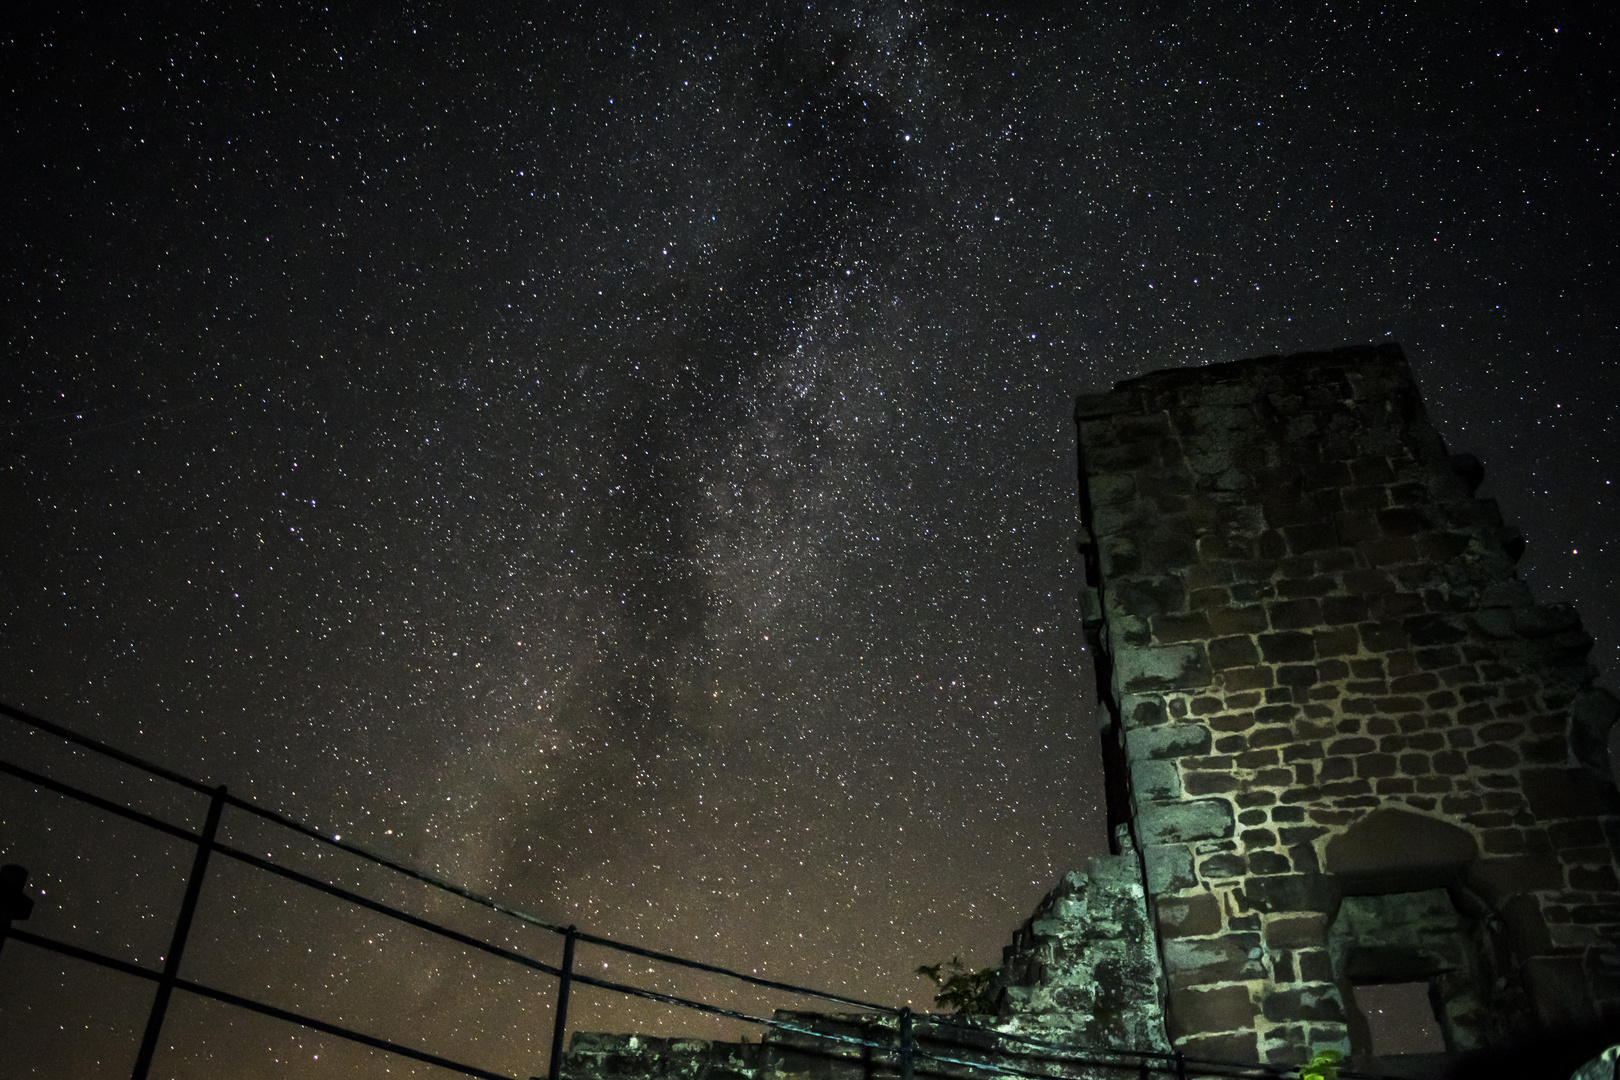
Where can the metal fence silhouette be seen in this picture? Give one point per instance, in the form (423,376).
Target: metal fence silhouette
(890,1040)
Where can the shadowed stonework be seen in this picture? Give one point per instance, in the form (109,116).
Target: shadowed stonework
(1349,744)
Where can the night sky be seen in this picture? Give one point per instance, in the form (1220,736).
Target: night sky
(620,459)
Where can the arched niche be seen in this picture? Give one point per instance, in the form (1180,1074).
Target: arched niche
(1410,915)
(1398,851)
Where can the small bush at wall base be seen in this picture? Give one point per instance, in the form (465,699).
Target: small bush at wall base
(1324,1065)
(962,989)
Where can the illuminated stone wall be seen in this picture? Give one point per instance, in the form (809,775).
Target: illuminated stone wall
(1350,745)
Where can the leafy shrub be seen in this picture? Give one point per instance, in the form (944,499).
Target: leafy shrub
(1323,1066)
(962,989)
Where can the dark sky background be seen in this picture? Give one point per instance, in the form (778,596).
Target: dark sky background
(619,457)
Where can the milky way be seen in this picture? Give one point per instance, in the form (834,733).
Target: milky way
(620,461)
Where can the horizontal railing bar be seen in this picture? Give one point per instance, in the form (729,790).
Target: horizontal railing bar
(382,909)
(936,1023)
(382,860)
(103,748)
(98,802)
(428,879)
(253,1006)
(1225,1067)
(717,1010)
(1010,1070)
(273,868)
(314,883)
(494,905)
(698,965)
(355,898)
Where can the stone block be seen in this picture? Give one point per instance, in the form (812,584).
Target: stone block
(1166,552)
(1315,965)
(1298,675)
(1300,588)
(1294,893)
(1168,667)
(1236,1047)
(1592,717)
(1150,596)
(1269,862)
(1210,783)
(1558,993)
(1201,961)
(1287,647)
(1151,779)
(1200,1012)
(1296,932)
(1182,822)
(1576,834)
(1191,916)
(1310,536)
(1167,741)
(1142,710)
(1295,614)
(1321,1003)
(1492,757)
(1249,619)
(1497,879)
(1191,626)
(1169,867)
(1252,678)
(1222,867)
(1232,652)
(1568,793)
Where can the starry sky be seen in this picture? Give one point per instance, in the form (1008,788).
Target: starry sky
(618,457)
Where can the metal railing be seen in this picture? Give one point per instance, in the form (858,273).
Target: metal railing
(949,1043)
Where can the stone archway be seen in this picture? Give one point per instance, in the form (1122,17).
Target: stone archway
(1408,916)
(1397,851)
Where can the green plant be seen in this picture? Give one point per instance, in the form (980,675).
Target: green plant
(1323,1066)
(962,989)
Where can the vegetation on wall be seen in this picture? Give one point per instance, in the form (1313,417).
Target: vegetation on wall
(1323,1066)
(962,989)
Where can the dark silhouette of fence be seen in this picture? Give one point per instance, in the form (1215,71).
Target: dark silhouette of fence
(951,1043)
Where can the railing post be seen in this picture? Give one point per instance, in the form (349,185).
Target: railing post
(182,928)
(559,1029)
(908,1046)
(14,903)
(1181,1066)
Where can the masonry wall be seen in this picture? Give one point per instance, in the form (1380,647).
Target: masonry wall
(1083,970)
(1350,744)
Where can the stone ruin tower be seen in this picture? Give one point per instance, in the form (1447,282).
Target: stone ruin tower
(1343,745)
(1342,741)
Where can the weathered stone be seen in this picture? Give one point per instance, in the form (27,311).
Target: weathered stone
(1169,867)
(1105,990)
(1193,916)
(1296,932)
(1166,667)
(1294,892)
(1169,741)
(1568,793)
(1171,823)
(1309,1003)
(1155,779)
(1196,1012)
(1205,961)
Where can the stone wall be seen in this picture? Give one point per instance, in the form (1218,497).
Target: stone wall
(1324,681)
(799,1049)
(1084,969)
